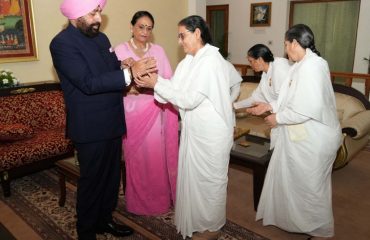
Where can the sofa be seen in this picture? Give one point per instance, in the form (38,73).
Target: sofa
(353,111)
(32,130)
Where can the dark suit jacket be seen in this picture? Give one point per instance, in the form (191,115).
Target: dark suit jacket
(92,83)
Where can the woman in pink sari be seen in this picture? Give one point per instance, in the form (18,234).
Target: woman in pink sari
(151,144)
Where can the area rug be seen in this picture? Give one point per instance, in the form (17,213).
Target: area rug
(35,199)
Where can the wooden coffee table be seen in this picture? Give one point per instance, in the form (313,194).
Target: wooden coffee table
(256,157)
(68,168)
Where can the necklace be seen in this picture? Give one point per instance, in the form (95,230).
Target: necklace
(136,48)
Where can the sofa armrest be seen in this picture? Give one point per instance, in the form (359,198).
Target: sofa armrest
(358,125)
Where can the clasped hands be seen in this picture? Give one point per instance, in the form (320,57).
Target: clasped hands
(141,69)
(260,108)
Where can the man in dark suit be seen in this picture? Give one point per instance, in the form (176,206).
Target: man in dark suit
(93,84)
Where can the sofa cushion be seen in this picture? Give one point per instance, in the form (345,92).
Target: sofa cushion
(340,113)
(40,110)
(347,106)
(357,127)
(15,132)
(246,90)
(45,144)
(255,124)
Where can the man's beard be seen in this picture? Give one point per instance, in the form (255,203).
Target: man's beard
(88,30)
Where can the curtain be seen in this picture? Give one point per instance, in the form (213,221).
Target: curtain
(334,25)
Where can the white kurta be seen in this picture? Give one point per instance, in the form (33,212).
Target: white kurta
(297,194)
(200,88)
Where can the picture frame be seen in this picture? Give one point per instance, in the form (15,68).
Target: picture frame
(17,31)
(260,14)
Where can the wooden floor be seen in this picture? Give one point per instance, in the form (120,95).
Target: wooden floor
(351,201)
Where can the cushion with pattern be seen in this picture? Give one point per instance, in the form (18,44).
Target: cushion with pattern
(15,132)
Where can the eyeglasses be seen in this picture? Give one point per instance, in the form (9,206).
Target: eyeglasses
(142,28)
(182,35)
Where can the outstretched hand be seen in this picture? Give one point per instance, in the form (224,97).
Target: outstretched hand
(147,81)
(144,66)
(259,108)
(128,62)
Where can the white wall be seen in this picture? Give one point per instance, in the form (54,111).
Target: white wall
(117,15)
(363,39)
(242,36)
(48,21)
(197,7)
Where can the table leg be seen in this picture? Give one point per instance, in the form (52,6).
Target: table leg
(62,184)
(259,173)
(5,182)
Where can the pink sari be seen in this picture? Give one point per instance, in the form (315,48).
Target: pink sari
(151,144)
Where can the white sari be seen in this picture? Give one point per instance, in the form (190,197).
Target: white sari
(297,192)
(200,88)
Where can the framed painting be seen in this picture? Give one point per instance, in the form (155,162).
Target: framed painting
(17,32)
(260,14)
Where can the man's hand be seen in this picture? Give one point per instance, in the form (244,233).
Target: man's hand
(259,108)
(143,67)
(128,62)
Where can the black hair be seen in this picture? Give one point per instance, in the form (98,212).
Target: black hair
(303,35)
(261,51)
(193,22)
(140,14)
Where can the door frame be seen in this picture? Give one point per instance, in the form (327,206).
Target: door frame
(225,9)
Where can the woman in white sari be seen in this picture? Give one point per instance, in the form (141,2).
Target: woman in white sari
(274,72)
(297,194)
(200,89)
